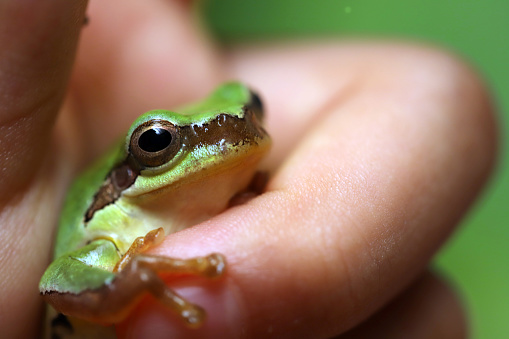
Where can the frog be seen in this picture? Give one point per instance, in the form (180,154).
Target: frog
(173,170)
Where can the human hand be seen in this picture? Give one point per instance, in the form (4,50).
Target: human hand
(379,149)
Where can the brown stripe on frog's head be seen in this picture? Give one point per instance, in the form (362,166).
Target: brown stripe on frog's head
(226,129)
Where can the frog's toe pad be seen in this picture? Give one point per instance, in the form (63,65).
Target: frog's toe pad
(216,265)
(194,316)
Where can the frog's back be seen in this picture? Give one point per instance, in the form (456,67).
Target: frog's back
(79,197)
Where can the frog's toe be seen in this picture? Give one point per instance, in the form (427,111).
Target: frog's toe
(215,265)
(194,316)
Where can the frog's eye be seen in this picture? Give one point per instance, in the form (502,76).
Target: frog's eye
(154,143)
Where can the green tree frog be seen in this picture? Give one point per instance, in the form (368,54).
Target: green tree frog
(172,171)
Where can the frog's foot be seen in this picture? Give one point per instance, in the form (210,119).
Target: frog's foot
(112,302)
(144,267)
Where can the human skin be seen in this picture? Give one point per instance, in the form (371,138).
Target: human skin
(379,150)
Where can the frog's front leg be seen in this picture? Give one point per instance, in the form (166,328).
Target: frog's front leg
(134,265)
(140,275)
(134,275)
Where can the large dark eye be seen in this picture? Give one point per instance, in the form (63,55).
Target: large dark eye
(154,143)
(155,139)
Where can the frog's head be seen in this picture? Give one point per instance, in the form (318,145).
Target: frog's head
(178,168)
(221,135)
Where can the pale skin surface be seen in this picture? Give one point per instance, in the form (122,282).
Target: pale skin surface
(379,150)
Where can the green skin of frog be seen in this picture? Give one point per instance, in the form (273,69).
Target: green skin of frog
(173,171)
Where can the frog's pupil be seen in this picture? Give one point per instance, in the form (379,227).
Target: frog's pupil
(154,139)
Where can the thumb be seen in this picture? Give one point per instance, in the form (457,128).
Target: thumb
(38,40)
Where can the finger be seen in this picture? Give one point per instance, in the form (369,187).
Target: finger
(137,56)
(356,211)
(389,169)
(38,40)
(428,309)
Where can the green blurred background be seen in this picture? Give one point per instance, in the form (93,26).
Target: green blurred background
(476,259)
